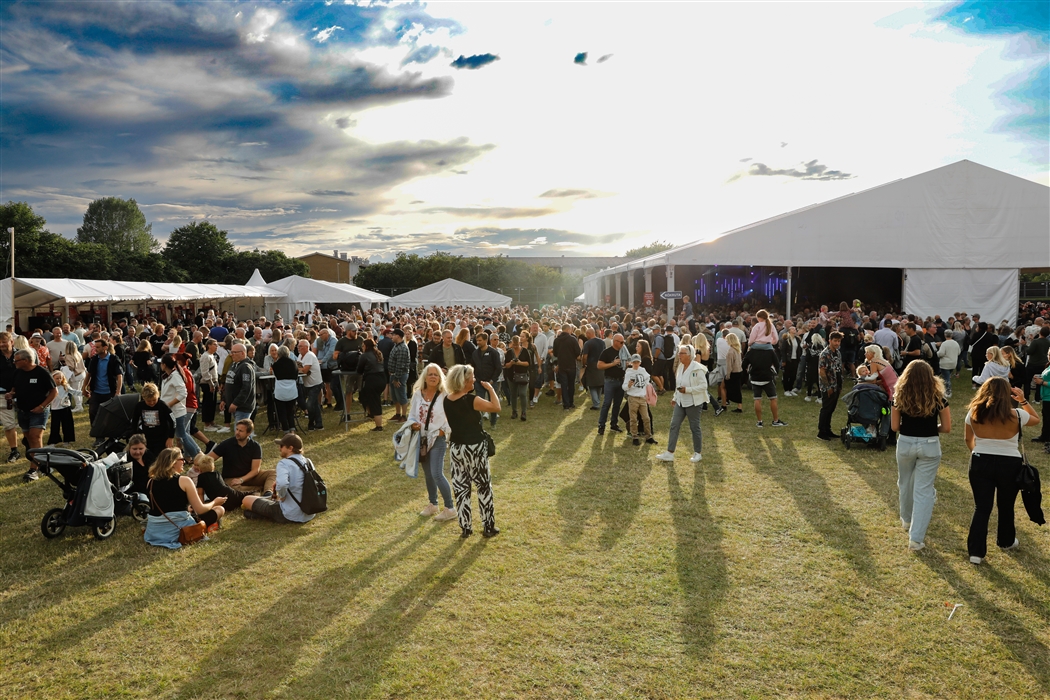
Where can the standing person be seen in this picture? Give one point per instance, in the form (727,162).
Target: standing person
(105,378)
(72,359)
(174,393)
(734,376)
(613,361)
(947,361)
(370,366)
(1036,361)
(398,367)
(1042,385)
(285,388)
(448,354)
(487,367)
(33,390)
(993,432)
(240,385)
(282,506)
(427,414)
(635,381)
(171,495)
(209,383)
(516,365)
(830,372)
(790,348)
(313,384)
(566,350)
(919,414)
(982,340)
(62,428)
(762,364)
(468,447)
(324,348)
(8,415)
(594,378)
(689,397)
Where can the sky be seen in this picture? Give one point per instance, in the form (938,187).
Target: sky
(504,128)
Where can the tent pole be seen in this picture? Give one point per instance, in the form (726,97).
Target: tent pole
(787,313)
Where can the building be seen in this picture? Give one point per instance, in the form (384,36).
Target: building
(337,267)
(571,265)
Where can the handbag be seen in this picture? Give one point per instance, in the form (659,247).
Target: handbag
(518,375)
(490,444)
(424,446)
(188,534)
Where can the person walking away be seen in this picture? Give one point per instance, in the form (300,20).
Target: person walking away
(982,340)
(919,414)
(566,350)
(370,367)
(830,372)
(734,375)
(209,383)
(173,392)
(468,447)
(689,396)
(593,377)
(790,348)
(427,414)
(635,381)
(613,361)
(993,432)
(762,364)
(947,361)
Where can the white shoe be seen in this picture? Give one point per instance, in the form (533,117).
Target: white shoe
(665,456)
(915,546)
(976,560)
(808,398)
(1015,545)
(223,429)
(695,458)
(905,525)
(820,401)
(431,509)
(211,428)
(446,515)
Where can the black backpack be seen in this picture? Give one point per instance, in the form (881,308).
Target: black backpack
(315,493)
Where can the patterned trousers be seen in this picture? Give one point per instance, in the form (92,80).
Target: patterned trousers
(470,464)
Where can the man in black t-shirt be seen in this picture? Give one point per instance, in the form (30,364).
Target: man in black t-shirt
(242,461)
(34,390)
(613,362)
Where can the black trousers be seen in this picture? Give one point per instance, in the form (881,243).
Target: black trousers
(207,404)
(62,429)
(827,407)
(790,372)
(568,386)
(94,402)
(992,478)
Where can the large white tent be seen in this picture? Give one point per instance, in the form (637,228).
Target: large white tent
(450,292)
(303,293)
(959,233)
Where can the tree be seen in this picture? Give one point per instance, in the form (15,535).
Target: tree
(646,250)
(272,264)
(200,249)
(119,225)
(40,253)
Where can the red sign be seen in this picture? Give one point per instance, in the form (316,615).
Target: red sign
(649,298)
(608,298)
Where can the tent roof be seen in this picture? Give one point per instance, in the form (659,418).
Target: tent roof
(32,292)
(450,292)
(300,290)
(962,215)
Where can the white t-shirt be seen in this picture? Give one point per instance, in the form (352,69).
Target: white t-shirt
(1006,447)
(312,367)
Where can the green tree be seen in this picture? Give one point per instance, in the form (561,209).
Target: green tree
(119,225)
(396,277)
(272,264)
(148,267)
(646,250)
(200,249)
(40,253)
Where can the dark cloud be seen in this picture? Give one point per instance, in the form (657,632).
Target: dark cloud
(474,62)
(746,160)
(807,171)
(332,193)
(605,58)
(581,59)
(365,86)
(577,194)
(422,54)
(492,212)
(345,122)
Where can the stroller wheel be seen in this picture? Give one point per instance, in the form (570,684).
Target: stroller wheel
(847,439)
(53,524)
(104,532)
(140,511)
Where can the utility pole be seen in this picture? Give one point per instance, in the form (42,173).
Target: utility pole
(12,232)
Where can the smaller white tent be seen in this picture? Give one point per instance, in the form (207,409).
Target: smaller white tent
(303,293)
(450,292)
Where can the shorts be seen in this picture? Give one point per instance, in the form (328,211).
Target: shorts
(326,375)
(269,509)
(769,389)
(27,420)
(8,418)
(399,394)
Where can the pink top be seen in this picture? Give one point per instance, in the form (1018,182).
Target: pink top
(889,377)
(759,335)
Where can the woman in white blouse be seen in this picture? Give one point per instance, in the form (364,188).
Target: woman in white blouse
(427,413)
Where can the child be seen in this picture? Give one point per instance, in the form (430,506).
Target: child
(210,485)
(635,380)
(61,413)
(141,460)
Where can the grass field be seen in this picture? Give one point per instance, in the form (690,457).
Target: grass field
(776,567)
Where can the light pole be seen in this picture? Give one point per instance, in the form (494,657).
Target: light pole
(11,230)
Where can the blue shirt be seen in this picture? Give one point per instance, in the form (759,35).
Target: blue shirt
(290,478)
(102,376)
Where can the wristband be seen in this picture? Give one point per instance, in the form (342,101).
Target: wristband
(1023,403)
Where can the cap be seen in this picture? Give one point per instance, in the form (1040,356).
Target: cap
(36,335)
(291,440)
(398,332)
(351,326)
(635,358)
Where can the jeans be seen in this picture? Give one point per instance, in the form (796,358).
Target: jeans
(596,396)
(399,395)
(567,380)
(337,392)
(189,445)
(946,375)
(917,461)
(310,400)
(988,474)
(483,393)
(613,398)
(518,392)
(679,415)
(434,472)
(827,407)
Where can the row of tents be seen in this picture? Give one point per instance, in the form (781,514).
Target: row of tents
(31,296)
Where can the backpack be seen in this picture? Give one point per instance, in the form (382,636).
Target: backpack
(315,493)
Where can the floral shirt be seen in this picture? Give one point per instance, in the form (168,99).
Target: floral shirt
(830,364)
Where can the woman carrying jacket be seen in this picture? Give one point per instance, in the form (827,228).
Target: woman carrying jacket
(427,413)
(72,359)
(174,393)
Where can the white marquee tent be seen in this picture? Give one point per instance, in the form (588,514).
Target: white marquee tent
(303,293)
(450,292)
(960,233)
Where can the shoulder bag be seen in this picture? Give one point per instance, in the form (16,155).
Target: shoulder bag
(424,446)
(188,534)
(520,375)
(1028,476)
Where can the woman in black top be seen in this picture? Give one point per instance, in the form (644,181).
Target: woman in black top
(468,449)
(370,366)
(142,361)
(517,363)
(170,495)
(285,391)
(920,413)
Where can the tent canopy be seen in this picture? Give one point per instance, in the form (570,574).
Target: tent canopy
(450,292)
(303,290)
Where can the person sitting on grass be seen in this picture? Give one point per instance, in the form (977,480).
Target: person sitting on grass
(170,494)
(242,460)
(210,484)
(141,460)
(283,505)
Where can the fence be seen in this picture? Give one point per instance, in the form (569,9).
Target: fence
(533,296)
(1035,290)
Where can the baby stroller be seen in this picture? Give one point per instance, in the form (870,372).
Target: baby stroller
(86,503)
(867,416)
(113,423)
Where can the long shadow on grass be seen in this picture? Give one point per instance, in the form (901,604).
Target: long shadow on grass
(1029,652)
(250,662)
(608,486)
(357,665)
(777,458)
(701,564)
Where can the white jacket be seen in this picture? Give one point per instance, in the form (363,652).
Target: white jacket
(209,370)
(406,449)
(174,387)
(694,379)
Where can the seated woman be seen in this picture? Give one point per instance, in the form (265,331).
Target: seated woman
(141,460)
(875,366)
(996,366)
(171,494)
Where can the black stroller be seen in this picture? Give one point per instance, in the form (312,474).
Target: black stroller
(114,423)
(867,416)
(73,472)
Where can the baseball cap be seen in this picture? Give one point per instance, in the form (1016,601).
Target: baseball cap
(291,440)
(351,326)
(635,358)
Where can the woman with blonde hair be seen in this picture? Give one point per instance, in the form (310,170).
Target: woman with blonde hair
(919,414)
(734,374)
(993,431)
(996,366)
(427,413)
(170,494)
(73,360)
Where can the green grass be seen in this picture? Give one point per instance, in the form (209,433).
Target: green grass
(776,567)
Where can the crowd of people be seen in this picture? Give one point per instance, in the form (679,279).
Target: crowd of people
(445,373)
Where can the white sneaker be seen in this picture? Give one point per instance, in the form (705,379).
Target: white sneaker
(431,509)
(1015,545)
(446,515)
(223,429)
(695,458)
(976,560)
(915,546)
(665,456)
(905,525)
(210,428)
(820,401)
(808,398)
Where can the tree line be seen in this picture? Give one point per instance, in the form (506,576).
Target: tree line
(115,242)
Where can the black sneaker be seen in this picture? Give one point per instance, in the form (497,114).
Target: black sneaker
(466,533)
(719,411)
(209,447)
(550,392)
(616,428)
(601,430)
(636,442)
(490,531)
(267,494)
(779,424)
(825,438)
(30,475)
(14,456)
(650,441)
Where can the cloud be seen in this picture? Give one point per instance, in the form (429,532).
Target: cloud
(576,194)
(783,144)
(364,85)
(326,34)
(345,122)
(332,193)
(605,58)
(110,184)
(746,160)
(492,212)
(474,62)
(493,238)
(581,59)
(808,171)
(422,54)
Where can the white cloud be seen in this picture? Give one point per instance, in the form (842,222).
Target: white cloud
(326,34)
